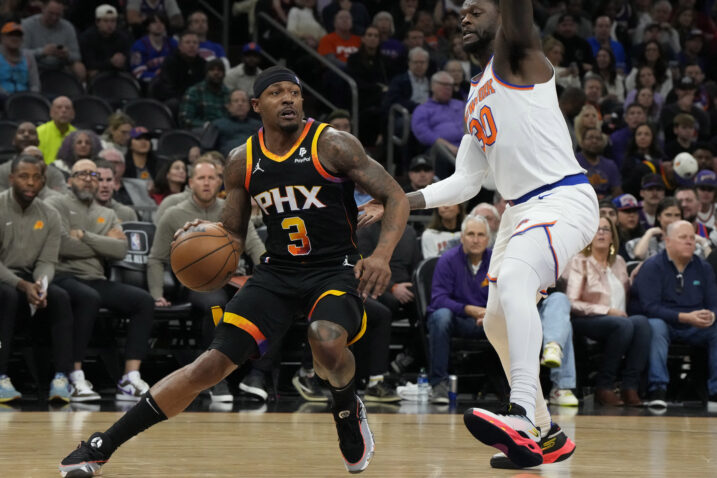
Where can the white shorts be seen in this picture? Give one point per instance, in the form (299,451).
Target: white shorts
(559,223)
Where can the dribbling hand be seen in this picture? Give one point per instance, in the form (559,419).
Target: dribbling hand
(373,275)
(190,224)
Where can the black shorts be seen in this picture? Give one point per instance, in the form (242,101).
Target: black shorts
(277,294)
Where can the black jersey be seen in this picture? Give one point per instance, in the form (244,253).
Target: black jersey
(310,214)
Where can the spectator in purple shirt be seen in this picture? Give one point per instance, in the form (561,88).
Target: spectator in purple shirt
(459,294)
(634,115)
(601,171)
(438,123)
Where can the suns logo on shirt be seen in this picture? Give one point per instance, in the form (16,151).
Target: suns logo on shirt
(100,220)
(38,225)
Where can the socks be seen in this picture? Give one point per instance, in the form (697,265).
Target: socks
(143,415)
(77,375)
(306,372)
(373,380)
(344,398)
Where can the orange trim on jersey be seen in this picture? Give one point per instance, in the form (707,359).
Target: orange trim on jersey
(542,224)
(247,174)
(552,251)
(338,293)
(491,279)
(509,85)
(315,157)
(276,157)
(248,327)
(348,221)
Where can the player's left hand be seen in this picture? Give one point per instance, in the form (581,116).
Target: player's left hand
(372,212)
(373,275)
(190,224)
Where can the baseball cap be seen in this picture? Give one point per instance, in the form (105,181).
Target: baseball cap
(626,202)
(105,11)
(651,181)
(251,47)
(11,27)
(138,131)
(706,178)
(695,32)
(420,162)
(686,83)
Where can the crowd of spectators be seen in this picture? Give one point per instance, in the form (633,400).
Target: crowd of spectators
(636,83)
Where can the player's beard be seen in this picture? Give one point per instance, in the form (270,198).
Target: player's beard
(483,41)
(289,128)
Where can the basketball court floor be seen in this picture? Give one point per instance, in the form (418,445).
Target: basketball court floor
(290,438)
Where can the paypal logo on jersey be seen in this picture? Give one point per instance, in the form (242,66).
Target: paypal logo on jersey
(274,197)
(302,156)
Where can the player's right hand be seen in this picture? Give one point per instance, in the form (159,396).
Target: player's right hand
(190,224)
(372,212)
(373,275)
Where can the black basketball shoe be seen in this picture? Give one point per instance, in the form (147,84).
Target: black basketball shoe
(556,446)
(88,457)
(355,437)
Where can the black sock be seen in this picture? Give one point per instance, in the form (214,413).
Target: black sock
(344,398)
(140,417)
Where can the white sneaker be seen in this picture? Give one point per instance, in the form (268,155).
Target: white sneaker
(131,387)
(82,392)
(552,355)
(563,398)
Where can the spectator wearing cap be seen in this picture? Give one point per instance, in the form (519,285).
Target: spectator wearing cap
(420,175)
(706,185)
(692,51)
(601,171)
(602,29)
(577,49)
(149,52)
(181,69)
(234,129)
(338,45)
(140,161)
(53,40)
(690,204)
(438,123)
(198,22)
(652,191)
(103,46)
(18,69)
(684,128)
(207,100)
(242,76)
(139,10)
(52,133)
(685,91)
(628,221)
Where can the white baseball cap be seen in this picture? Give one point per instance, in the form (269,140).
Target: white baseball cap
(105,11)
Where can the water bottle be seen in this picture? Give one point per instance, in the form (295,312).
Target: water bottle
(424,390)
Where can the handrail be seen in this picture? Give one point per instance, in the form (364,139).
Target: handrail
(223,17)
(341,74)
(393,139)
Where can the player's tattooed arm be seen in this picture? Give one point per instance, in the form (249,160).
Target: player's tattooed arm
(237,206)
(342,154)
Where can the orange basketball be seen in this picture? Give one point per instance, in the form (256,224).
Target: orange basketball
(205,257)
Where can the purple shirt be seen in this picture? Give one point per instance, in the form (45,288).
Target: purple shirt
(603,176)
(620,139)
(454,286)
(433,120)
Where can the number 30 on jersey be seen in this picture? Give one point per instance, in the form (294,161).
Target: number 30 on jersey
(483,127)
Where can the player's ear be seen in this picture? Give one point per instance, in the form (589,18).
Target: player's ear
(255,105)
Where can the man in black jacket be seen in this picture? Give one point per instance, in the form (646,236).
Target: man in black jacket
(103,47)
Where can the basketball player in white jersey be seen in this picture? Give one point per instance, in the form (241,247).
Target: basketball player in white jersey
(516,130)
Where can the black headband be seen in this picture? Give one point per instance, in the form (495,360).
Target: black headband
(272,75)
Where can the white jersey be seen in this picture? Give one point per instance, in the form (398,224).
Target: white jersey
(522,132)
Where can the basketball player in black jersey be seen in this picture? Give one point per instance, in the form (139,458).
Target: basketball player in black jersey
(301,174)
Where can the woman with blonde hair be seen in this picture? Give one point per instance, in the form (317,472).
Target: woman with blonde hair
(555,51)
(587,118)
(117,133)
(598,290)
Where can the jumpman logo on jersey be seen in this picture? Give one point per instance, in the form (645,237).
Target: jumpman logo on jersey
(258,167)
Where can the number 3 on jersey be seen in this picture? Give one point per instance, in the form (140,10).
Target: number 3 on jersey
(297,232)
(483,127)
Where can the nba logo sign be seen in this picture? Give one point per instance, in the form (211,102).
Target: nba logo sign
(135,243)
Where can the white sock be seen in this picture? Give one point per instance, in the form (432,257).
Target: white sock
(373,380)
(77,375)
(306,372)
(133,375)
